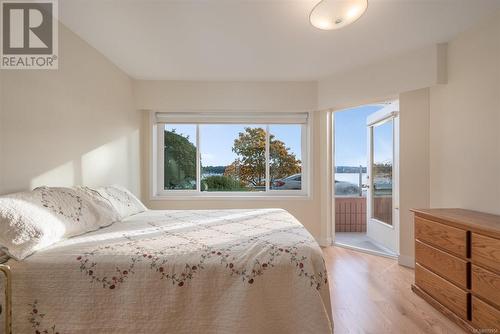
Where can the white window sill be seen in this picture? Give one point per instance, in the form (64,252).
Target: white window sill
(230,197)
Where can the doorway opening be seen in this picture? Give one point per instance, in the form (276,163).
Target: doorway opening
(366,174)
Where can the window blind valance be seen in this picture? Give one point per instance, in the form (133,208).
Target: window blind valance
(231,118)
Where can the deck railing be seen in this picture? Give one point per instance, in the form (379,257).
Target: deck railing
(382,209)
(350,214)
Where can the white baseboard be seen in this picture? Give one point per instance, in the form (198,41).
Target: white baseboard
(406,261)
(324,242)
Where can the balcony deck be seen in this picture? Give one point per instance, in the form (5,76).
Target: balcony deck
(350,223)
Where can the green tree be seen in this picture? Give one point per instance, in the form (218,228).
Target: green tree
(180,161)
(250,166)
(221,183)
(383,169)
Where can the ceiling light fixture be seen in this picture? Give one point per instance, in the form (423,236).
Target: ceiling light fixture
(336,14)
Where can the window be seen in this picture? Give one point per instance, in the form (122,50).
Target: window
(382,168)
(230,154)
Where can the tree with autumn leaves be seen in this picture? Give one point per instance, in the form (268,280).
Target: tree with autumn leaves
(250,166)
(248,170)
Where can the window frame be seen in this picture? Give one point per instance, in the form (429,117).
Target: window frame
(157,157)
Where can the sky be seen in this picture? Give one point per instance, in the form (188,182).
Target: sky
(216,141)
(383,143)
(351,137)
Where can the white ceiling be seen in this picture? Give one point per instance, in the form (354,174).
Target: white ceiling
(260,39)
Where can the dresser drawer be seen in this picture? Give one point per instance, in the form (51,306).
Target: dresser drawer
(451,296)
(486,251)
(445,237)
(447,266)
(486,284)
(485,316)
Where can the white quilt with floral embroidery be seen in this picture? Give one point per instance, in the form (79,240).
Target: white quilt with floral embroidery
(178,271)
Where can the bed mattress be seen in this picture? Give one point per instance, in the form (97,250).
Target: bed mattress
(178,271)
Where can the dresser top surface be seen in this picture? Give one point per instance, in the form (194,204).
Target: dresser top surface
(463,218)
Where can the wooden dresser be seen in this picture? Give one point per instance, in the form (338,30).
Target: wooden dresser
(457,265)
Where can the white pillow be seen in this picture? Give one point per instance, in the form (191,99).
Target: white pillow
(80,211)
(102,204)
(30,221)
(124,202)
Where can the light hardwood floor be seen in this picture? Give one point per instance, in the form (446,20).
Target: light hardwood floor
(372,294)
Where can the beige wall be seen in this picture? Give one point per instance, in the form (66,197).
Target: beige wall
(383,80)
(238,96)
(450,142)
(225,96)
(1,131)
(465,123)
(413,166)
(75,125)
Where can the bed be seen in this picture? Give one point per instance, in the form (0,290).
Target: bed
(178,271)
